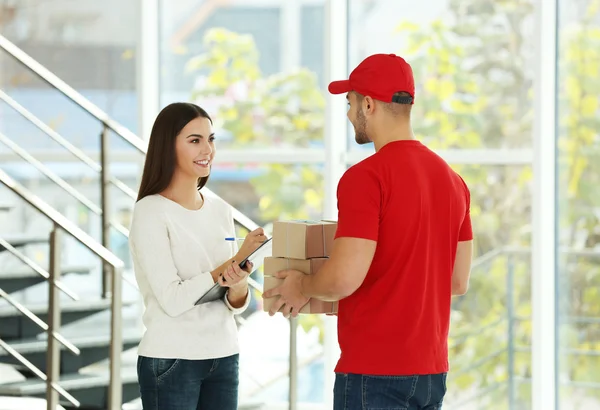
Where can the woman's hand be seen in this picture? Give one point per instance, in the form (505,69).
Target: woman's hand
(234,277)
(251,243)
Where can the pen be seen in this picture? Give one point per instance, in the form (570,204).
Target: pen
(234,239)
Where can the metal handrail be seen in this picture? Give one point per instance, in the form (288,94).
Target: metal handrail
(478,395)
(76,152)
(123,188)
(49,131)
(86,202)
(95,112)
(37,268)
(480,362)
(238,216)
(42,325)
(465,335)
(510,252)
(116,265)
(111,264)
(523,251)
(51,79)
(115,390)
(49,174)
(54,318)
(64,185)
(38,372)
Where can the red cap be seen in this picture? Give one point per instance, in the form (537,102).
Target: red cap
(379,76)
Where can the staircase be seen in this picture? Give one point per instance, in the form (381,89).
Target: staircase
(67,345)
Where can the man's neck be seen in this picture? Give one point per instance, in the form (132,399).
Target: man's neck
(390,133)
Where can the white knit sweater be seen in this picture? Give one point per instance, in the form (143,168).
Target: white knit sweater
(174,249)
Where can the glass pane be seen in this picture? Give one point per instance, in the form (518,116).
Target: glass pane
(265,193)
(578,218)
(264,367)
(490,332)
(466,95)
(490,337)
(89,45)
(268,192)
(254,71)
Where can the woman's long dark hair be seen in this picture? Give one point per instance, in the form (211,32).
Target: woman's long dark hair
(161,158)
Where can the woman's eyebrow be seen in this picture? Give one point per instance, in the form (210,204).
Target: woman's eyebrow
(199,135)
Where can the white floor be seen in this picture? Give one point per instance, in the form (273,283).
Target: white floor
(23,403)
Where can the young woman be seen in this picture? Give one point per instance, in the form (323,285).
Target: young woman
(188,356)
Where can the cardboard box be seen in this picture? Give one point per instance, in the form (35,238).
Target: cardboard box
(303,239)
(314,306)
(273,265)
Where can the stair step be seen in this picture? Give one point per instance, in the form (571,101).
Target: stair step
(14,325)
(91,389)
(6,207)
(65,307)
(93,349)
(26,271)
(23,277)
(37,345)
(18,240)
(29,403)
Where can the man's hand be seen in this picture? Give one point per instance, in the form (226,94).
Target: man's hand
(291,299)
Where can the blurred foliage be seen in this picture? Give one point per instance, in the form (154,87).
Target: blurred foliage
(579,178)
(474,70)
(476,93)
(279,111)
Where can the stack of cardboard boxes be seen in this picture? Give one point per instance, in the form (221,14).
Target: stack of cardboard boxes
(303,246)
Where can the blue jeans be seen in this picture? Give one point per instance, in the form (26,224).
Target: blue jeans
(178,384)
(363,392)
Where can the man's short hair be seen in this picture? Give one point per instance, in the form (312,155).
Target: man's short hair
(401,110)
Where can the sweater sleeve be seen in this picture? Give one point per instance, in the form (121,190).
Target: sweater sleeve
(241,309)
(151,252)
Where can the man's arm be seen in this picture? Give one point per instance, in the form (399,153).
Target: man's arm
(464,250)
(352,252)
(462,268)
(356,238)
(343,273)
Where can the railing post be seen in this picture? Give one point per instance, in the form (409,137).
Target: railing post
(115,392)
(104,204)
(53,350)
(293,369)
(511,332)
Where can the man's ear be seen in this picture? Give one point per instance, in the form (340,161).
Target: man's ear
(368,104)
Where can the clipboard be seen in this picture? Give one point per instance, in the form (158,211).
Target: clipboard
(265,249)
(217,292)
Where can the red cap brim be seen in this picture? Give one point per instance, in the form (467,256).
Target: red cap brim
(339,87)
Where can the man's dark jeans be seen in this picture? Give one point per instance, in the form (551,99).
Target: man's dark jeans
(362,392)
(178,384)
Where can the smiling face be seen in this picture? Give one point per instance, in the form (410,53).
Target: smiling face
(195,148)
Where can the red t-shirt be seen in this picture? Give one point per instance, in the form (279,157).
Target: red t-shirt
(416,207)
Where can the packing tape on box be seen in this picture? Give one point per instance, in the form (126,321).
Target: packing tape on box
(324,241)
(287,239)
